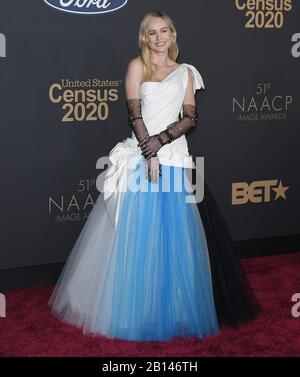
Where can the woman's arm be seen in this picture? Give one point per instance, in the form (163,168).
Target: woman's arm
(189,118)
(133,78)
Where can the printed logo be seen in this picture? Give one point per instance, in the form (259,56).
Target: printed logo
(84,100)
(258,191)
(130,173)
(86,6)
(264,104)
(264,14)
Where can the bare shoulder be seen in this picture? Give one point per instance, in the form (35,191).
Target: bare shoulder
(135,67)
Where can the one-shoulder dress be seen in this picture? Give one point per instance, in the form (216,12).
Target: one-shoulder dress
(148,264)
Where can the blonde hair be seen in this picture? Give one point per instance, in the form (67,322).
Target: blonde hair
(173,50)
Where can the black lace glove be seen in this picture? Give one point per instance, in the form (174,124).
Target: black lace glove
(135,119)
(136,122)
(150,146)
(177,129)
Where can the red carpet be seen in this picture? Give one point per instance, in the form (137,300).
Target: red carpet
(30,329)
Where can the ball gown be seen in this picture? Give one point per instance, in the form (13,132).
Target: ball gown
(148,265)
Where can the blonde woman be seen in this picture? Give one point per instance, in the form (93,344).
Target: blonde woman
(146,265)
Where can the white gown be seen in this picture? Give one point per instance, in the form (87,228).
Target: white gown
(161,104)
(140,269)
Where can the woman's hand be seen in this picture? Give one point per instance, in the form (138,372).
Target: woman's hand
(150,146)
(152,169)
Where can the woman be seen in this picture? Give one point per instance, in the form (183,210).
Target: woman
(146,266)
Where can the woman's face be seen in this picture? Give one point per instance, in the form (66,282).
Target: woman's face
(158,35)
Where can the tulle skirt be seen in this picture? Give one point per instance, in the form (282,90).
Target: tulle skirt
(147,279)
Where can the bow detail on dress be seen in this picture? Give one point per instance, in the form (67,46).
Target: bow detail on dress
(124,158)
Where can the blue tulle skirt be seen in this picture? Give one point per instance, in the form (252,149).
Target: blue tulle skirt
(147,279)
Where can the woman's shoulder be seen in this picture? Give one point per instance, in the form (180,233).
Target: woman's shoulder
(189,65)
(196,76)
(135,62)
(135,68)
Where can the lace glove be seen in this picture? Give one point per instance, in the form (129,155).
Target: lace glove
(150,146)
(135,119)
(136,122)
(175,130)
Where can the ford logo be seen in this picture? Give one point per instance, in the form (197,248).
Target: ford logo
(86,6)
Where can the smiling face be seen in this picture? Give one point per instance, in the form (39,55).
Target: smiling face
(159,35)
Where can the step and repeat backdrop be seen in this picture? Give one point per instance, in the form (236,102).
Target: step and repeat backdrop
(62,107)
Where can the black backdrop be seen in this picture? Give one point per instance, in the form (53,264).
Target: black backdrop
(248,128)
